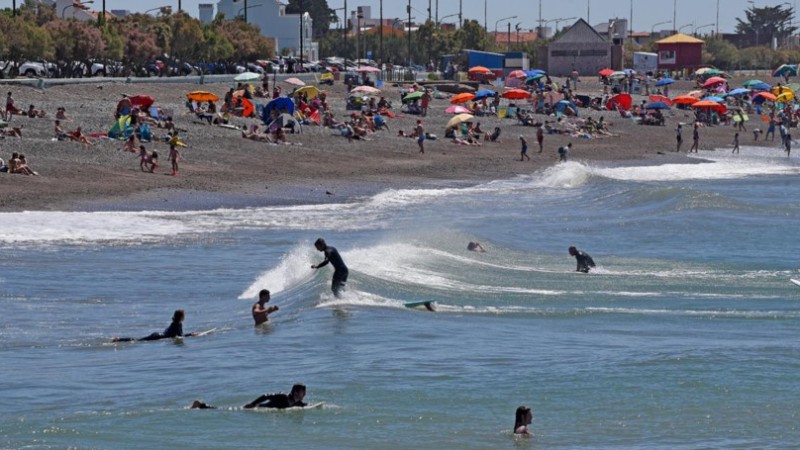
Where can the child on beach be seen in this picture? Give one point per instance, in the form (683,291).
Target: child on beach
(175,155)
(757,133)
(147,159)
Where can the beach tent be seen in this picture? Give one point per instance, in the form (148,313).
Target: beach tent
(778,90)
(248,110)
(462,98)
(785,97)
(284,121)
(620,100)
(121,129)
(280,104)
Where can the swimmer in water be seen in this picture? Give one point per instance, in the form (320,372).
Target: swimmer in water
(260,312)
(175,329)
(585,262)
(523,418)
(475,246)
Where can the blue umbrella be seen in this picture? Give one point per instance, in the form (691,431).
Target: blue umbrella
(664,81)
(785,69)
(656,105)
(739,91)
(714,98)
(564,103)
(483,93)
(534,78)
(761,87)
(280,104)
(535,72)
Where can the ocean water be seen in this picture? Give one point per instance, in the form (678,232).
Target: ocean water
(686,335)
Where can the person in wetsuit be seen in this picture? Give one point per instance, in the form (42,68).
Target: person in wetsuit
(340,269)
(175,329)
(585,262)
(280,400)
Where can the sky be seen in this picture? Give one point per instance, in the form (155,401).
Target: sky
(690,14)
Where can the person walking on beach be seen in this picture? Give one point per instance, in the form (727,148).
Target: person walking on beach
(770,130)
(563,152)
(695,139)
(419,132)
(735,143)
(540,137)
(679,137)
(523,149)
(174,156)
(740,123)
(585,262)
(333,257)
(787,142)
(260,311)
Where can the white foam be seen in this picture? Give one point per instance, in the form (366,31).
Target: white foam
(293,270)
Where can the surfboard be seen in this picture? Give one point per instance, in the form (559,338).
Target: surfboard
(205,333)
(426,304)
(797,282)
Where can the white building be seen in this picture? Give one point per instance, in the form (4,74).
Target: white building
(271,18)
(206,12)
(73,9)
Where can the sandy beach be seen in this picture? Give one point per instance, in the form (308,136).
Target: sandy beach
(221,169)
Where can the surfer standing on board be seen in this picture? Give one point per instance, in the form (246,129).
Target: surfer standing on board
(585,262)
(260,312)
(340,271)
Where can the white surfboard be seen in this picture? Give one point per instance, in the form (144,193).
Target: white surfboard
(797,282)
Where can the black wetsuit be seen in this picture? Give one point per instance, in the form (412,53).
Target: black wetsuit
(175,329)
(279,401)
(584,261)
(340,269)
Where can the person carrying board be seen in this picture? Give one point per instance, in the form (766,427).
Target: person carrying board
(340,271)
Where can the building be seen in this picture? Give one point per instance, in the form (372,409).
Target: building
(680,52)
(516,37)
(581,48)
(73,9)
(271,18)
(206,12)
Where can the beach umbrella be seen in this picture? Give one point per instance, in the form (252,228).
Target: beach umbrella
(778,90)
(535,72)
(629,71)
(760,87)
(141,101)
(416,95)
(708,104)
(785,97)
(685,100)
(459,119)
(457,109)
(605,72)
(512,83)
(622,100)
(280,104)
(552,97)
(714,81)
(702,70)
(784,70)
(202,96)
(714,98)
(619,74)
(739,91)
(368,90)
(751,83)
(483,93)
(534,78)
(516,94)
(517,74)
(479,70)
(247,77)
(664,82)
(310,91)
(661,98)
(766,96)
(697,94)
(294,82)
(462,98)
(656,105)
(794,86)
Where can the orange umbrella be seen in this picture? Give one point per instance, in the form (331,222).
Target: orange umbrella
(605,72)
(722,109)
(767,96)
(202,96)
(462,98)
(516,94)
(661,98)
(479,69)
(685,100)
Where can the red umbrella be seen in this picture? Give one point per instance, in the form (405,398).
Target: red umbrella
(623,100)
(720,108)
(142,101)
(685,100)
(605,72)
(661,98)
(516,94)
(713,81)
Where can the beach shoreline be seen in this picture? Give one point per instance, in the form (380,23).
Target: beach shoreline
(222,170)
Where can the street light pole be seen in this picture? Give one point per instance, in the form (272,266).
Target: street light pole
(509,36)
(653,28)
(380,30)
(485,12)
(675,15)
(408,8)
(460,13)
(63,11)
(504,18)
(344,36)
(717,17)
(302,29)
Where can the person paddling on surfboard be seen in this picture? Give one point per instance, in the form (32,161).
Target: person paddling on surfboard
(585,262)
(293,399)
(260,312)
(340,271)
(175,329)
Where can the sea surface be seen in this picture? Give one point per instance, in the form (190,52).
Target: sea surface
(684,337)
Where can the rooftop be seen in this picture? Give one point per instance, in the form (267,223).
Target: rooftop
(680,38)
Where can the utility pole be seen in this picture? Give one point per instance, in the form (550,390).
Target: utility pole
(437,11)
(460,13)
(381,32)
(485,12)
(630,24)
(408,8)
(344,35)
(674,16)
(302,26)
(509,36)
(588,12)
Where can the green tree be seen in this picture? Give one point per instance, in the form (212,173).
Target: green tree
(188,38)
(720,53)
(216,47)
(767,22)
(247,41)
(74,41)
(319,11)
(472,36)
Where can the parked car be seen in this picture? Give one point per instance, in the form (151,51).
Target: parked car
(39,69)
